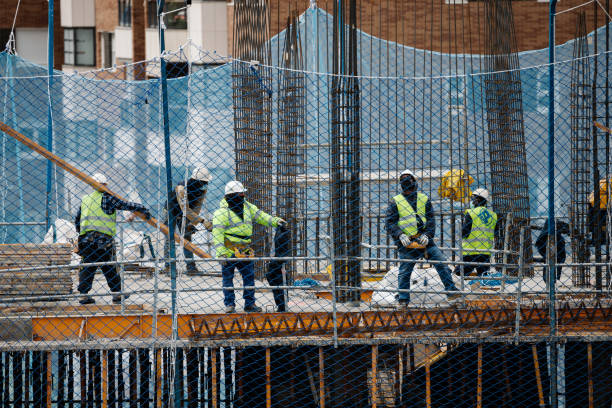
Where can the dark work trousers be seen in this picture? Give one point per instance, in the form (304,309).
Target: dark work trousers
(97,247)
(191,266)
(275,278)
(480,269)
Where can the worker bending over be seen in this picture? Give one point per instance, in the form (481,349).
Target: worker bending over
(96,223)
(411,224)
(478,233)
(187,202)
(232,235)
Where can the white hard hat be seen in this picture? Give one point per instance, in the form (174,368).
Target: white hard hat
(234,186)
(408,172)
(202,174)
(100,178)
(482,192)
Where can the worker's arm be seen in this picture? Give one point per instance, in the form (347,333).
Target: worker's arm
(77,221)
(466,228)
(430,225)
(391,219)
(110,204)
(263,218)
(192,216)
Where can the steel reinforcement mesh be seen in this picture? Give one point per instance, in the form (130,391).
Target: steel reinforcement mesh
(92,317)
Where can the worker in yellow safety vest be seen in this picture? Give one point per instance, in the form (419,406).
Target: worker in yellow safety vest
(232,234)
(478,233)
(96,223)
(411,224)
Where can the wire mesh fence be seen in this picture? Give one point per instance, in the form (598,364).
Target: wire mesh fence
(366,284)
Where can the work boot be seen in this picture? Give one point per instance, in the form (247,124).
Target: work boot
(230,309)
(403,304)
(252,309)
(192,270)
(117,298)
(87,300)
(281,308)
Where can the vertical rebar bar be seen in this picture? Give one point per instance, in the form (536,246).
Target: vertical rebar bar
(345,153)
(580,153)
(252,100)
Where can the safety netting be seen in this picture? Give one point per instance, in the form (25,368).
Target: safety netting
(357,288)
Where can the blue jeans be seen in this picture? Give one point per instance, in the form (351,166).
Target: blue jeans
(247,270)
(405,269)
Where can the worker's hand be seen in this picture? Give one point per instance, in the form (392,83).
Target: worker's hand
(405,240)
(207,224)
(146,213)
(282,223)
(423,240)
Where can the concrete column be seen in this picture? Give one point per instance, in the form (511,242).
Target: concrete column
(138,37)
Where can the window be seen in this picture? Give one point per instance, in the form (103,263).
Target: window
(152,13)
(174,19)
(79,46)
(108,50)
(125,12)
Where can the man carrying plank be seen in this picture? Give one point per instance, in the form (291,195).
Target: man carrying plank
(96,223)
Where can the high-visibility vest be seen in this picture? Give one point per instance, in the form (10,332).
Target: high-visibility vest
(482,237)
(93,218)
(407,216)
(228,226)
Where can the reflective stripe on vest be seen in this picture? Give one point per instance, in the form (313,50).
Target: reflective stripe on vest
(93,218)
(482,236)
(407,216)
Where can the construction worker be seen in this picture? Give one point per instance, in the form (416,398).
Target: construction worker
(232,234)
(96,224)
(541,244)
(410,223)
(478,233)
(187,203)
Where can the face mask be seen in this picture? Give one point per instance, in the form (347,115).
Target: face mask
(408,184)
(235,200)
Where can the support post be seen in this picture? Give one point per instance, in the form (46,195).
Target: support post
(168,163)
(479,379)
(551,203)
(374,375)
(49,114)
(321,378)
(268,380)
(536,365)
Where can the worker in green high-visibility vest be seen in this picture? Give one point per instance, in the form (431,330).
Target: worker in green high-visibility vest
(478,233)
(96,223)
(410,222)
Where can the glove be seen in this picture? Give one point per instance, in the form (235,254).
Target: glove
(207,224)
(424,240)
(405,240)
(282,223)
(147,214)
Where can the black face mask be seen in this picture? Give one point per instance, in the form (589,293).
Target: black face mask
(195,190)
(408,184)
(235,200)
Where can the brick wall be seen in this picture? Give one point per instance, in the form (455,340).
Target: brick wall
(32,13)
(430,24)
